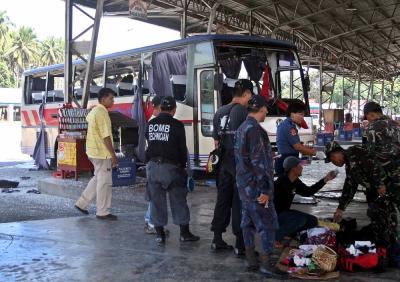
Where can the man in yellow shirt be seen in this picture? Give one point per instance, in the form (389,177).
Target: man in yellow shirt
(100,150)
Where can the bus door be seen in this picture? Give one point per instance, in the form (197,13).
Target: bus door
(207,104)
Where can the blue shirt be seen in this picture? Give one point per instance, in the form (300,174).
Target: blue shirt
(286,136)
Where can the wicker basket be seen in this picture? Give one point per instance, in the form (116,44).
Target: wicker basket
(325,258)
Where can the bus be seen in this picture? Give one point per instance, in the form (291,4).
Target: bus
(199,71)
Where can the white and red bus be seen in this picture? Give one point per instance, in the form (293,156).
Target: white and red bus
(198,71)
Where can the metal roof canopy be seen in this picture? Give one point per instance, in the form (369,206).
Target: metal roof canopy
(358,36)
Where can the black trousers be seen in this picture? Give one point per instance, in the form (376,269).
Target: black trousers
(228,203)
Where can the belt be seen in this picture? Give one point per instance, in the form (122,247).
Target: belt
(162,160)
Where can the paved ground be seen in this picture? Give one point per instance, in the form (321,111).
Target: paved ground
(62,245)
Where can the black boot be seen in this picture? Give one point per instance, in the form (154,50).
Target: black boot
(268,270)
(251,260)
(218,244)
(186,235)
(160,237)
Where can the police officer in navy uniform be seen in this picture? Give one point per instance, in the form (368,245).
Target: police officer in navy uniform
(167,157)
(287,136)
(226,121)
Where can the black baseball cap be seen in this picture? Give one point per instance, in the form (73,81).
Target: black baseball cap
(243,85)
(372,107)
(156,101)
(168,103)
(257,102)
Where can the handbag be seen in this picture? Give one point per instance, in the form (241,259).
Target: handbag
(214,158)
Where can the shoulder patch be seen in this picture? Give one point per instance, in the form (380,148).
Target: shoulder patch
(293,132)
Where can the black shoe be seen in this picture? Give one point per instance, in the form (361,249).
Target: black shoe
(107,217)
(239,252)
(251,260)
(189,237)
(220,246)
(81,210)
(268,270)
(160,240)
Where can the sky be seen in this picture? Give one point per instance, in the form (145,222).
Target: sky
(47,18)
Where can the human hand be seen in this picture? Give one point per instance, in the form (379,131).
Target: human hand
(382,190)
(338,215)
(331,175)
(263,199)
(114,161)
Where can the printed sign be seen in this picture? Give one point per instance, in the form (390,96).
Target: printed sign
(138,9)
(66,153)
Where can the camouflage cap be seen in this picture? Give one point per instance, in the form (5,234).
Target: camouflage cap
(330,148)
(257,102)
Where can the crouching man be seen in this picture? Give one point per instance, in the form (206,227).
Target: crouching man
(254,177)
(286,187)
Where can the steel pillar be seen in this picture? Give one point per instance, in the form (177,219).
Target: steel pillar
(68,51)
(382,93)
(291,84)
(92,53)
(321,77)
(358,98)
(184,19)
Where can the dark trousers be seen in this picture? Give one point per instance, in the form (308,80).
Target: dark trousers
(166,178)
(279,163)
(292,221)
(228,203)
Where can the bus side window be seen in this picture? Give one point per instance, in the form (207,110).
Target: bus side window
(207,105)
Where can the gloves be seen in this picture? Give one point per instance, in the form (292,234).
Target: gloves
(320,155)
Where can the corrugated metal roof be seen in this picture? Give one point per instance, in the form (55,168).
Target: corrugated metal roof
(353,36)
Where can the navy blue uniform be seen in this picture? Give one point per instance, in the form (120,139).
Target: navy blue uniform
(255,176)
(287,135)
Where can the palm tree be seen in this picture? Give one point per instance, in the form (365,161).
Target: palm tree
(51,51)
(23,50)
(5,25)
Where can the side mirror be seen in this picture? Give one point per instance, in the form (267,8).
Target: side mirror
(307,82)
(218,81)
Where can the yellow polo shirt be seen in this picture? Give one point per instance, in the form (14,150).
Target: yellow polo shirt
(99,127)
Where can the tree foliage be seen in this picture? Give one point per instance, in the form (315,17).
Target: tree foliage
(20,49)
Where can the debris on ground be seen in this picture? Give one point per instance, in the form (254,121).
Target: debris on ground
(8,184)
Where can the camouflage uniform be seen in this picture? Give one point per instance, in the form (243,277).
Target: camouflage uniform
(255,176)
(383,143)
(362,170)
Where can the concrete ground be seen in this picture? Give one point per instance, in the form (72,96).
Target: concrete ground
(62,245)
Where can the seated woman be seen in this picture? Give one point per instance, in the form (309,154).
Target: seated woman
(286,186)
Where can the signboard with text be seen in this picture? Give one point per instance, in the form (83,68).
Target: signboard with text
(138,9)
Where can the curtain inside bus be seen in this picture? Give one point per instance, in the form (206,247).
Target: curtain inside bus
(165,64)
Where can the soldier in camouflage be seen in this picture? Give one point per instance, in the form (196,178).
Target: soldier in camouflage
(361,169)
(383,144)
(255,182)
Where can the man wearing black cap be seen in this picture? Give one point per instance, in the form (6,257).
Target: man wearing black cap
(383,143)
(226,121)
(286,186)
(167,158)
